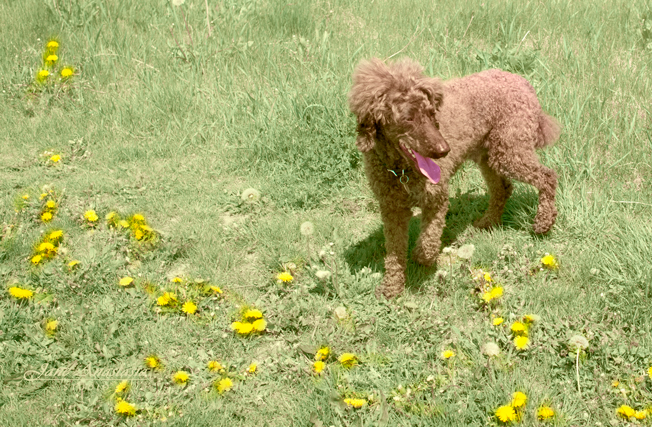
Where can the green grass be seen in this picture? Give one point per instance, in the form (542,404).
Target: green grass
(164,120)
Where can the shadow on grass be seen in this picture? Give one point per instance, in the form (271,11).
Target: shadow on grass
(463,210)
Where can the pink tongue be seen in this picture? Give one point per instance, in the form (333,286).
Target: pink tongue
(427,166)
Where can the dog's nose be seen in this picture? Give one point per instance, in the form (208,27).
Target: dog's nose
(441,151)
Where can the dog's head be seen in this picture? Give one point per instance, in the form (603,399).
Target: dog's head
(400,102)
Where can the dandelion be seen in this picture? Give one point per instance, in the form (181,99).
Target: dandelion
(550,262)
(126,281)
(180,377)
(177,279)
(640,415)
(189,307)
(36,259)
(51,59)
(531,318)
(91,216)
(518,399)
(42,75)
(259,325)
(348,360)
(521,342)
(242,328)
(55,158)
(487,278)
(578,342)
(52,46)
(649,372)
(496,292)
(322,353)
(626,411)
(466,251)
(124,408)
(355,403)
(46,248)
(307,228)
(252,368)
(253,314)
(506,414)
(163,300)
(323,275)
(518,328)
(497,321)
(25,196)
(72,264)
(123,387)
(225,384)
(46,216)
(447,354)
(138,218)
(284,277)
(55,235)
(214,366)
(250,195)
(216,289)
(42,196)
(153,362)
(545,412)
(51,204)
(67,72)
(491,349)
(318,366)
(20,293)
(123,223)
(51,326)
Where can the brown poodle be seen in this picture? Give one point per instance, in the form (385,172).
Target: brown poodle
(406,119)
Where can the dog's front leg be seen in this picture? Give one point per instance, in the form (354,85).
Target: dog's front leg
(396,218)
(433,220)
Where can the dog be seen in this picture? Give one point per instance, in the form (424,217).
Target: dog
(415,131)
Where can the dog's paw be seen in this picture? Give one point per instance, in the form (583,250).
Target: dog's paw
(391,287)
(423,257)
(544,221)
(486,222)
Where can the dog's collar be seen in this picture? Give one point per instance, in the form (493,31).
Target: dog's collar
(403,178)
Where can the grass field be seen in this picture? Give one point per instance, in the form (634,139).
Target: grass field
(174,120)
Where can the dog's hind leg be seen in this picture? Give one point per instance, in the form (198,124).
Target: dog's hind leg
(500,188)
(433,220)
(525,167)
(396,219)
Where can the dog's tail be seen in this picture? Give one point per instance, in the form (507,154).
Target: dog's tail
(549,129)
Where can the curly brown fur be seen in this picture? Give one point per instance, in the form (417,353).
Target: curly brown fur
(492,117)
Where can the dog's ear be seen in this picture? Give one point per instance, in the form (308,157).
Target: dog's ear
(366,136)
(434,91)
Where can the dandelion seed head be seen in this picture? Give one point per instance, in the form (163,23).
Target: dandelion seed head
(307,228)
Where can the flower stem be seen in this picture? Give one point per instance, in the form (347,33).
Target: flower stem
(577,369)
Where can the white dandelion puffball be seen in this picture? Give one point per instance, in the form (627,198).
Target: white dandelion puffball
(307,228)
(466,251)
(250,195)
(491,349)
(578,341)
(323,274)
(178,2)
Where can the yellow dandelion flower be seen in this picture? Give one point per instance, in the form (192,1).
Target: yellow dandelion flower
(124,408)
(521,342)
(519,328)
(348,360)
(55,235)
(42,75)
(615,383)
(67,72)
(640,415)
(216,289)
(90,215)
(626,411)
(497,321)
(550,262)
(545,412)
(487,278)
(223,385)
(46,248)
(649,372)
(486,296)
(153,362)
(355,403)
(496,292)
(189,307)
(20,293)
(51,326)
(72,264)
(122,387)
(506,414)
(242,328)
(253,314)
(123,223)
(531,318)
(318,366)
(259,325)
(126,281)
(138,234)
(138,218)
(46,216)
(42,196)
(322,353)
(52,45)
(518,399)
(447,354)
(36,259)
(163,300)
(25,196)
(214,366)
(180,377)
(51,204)
(51,59)
(177,280)
(252,368)
(55,158)
(284,277)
